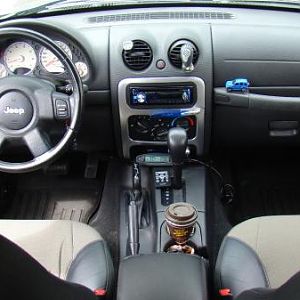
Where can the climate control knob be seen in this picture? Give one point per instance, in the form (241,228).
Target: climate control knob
(185,122)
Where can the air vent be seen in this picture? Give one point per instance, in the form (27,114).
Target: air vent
(168,15)
(138,55)
(174,53)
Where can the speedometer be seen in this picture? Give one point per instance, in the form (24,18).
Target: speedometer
(20,58)
(51,62)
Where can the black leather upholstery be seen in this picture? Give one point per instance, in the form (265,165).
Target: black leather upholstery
(162,277)
(239,268)
(92,267)
(22,277)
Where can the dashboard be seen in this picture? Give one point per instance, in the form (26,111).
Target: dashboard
(114,50)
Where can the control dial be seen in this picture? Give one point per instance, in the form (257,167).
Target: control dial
(185,122)
(140,125)
(160,130)
(147,128)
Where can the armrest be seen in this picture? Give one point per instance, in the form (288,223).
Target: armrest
(162,276)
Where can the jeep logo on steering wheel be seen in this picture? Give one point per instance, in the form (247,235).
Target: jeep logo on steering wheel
(14,111)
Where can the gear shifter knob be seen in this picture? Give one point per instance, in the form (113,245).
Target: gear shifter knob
(177,144)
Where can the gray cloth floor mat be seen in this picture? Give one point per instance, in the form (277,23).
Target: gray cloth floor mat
(53,199)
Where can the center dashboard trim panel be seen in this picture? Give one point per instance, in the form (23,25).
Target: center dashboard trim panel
(126,111)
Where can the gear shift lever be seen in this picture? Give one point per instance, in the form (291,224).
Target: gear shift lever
(177,144)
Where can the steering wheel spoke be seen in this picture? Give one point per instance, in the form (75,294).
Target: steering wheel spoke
(2,139)
(37,142)
(61,106)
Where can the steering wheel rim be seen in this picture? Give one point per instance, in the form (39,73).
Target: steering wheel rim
(75,107)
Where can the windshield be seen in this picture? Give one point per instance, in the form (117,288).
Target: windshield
(32,7)
(11,6)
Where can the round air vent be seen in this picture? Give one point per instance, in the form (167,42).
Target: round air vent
(137,55)
(174,53)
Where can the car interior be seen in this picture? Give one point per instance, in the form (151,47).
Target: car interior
(150,150)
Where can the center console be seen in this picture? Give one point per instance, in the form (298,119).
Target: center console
(161,277)
(162,127)
(147,105)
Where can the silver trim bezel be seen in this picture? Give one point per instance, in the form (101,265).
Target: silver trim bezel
(125,111)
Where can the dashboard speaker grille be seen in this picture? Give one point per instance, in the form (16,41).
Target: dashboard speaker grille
(174,53)
(139,57)
(161,16)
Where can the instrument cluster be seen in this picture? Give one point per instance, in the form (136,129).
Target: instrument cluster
(24,57)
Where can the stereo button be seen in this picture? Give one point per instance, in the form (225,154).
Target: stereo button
(185,97)
(141,97)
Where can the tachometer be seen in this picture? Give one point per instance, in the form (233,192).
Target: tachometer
(20,58)
(50,61)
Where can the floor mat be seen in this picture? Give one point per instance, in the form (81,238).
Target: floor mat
(258,199)
(107,219)
(53,198)
(266,186)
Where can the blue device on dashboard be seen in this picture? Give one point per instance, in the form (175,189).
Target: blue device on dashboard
(176,113)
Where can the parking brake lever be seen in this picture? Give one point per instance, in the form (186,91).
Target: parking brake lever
(133,211)
(133,228)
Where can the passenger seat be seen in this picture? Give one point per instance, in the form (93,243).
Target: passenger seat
(263,252)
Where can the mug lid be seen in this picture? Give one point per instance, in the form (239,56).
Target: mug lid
(181,213)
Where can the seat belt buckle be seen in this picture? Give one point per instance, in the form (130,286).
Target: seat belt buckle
(225,293)
(100,293)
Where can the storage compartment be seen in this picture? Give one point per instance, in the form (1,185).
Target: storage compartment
(162,276)
(255,120)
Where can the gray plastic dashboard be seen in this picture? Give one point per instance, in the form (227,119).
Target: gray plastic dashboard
(251,42)
(261,45)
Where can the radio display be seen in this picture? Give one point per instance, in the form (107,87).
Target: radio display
(161,95)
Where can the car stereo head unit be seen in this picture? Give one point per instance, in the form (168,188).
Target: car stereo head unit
(161,95)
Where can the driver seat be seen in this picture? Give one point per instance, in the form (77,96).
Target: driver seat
(72,251)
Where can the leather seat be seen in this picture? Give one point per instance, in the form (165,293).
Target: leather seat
(72,251)
(262,252)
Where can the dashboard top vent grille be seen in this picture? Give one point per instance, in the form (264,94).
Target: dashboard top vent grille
(139,57)
(174,53)
(168,15)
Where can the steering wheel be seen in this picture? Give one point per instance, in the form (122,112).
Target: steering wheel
(27,102)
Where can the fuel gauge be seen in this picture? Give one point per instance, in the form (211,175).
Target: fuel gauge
(3,71)
(82,69)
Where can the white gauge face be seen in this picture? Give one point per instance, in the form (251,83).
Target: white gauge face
(3,71)
(20,58)
(50,61)
(82,69)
